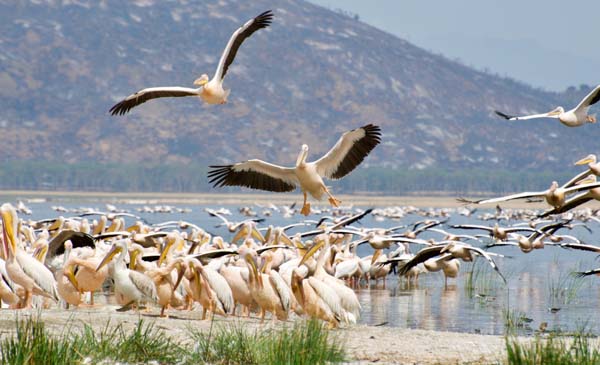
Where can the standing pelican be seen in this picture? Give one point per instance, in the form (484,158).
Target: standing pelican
(572,118)
(22,269)
(349,151)
(131,285)
(211,91)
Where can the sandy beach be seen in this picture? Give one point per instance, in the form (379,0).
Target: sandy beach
(424,201)
(364,344)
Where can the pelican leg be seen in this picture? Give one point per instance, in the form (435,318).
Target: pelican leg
(27,300)
(332,200)
(306,206)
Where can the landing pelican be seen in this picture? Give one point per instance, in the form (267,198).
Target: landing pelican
(575,117)
(349,151)
(211,91)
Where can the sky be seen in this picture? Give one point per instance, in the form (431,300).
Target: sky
(550,44)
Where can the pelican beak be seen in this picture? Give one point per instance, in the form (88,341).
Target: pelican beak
(376,255)
(71,276)
(257,235)
(165,251)
(311,252)
(133,259)
(584,161)
(201,81)
(286,240)
(241,233)
(40,252)
(254,269)
(588,180)
(9,228)
(180,274)
(109,256)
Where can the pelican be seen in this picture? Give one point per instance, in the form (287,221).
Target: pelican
(210,90)
(22,269)
(591,194)
(349,151)
(593,169)
(554,196)
(131,285)
(311,301)
(575,117)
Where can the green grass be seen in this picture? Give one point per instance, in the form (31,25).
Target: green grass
(306,342)
(482,279)
(576,350)
(564,288)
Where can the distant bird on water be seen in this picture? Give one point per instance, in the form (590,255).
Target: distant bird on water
(349,151)
(210,90)
(572,118)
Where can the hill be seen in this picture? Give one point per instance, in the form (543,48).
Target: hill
(312,75)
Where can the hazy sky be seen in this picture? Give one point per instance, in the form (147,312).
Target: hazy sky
(550,44)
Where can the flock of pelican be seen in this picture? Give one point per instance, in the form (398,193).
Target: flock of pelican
(264,269)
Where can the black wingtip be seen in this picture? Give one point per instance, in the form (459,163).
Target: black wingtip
(503,115)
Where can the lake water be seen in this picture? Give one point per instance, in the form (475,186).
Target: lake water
(541,290)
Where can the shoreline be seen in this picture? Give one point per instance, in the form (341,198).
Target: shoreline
(419,201)
(363,344)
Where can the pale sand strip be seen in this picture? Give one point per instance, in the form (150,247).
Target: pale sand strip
(364,344)
(249,199)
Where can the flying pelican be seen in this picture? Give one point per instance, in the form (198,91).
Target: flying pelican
(577,200)
(211,91)
(22,269)
(572,118)
(555,195)
(349,151)
(593,169)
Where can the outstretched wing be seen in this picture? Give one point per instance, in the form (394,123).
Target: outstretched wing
(144,95)
(254,174)
(349,151)
(525,117)
(590,99)
(238,37)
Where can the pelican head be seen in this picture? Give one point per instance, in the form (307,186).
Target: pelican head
(118,248)
(554,186)
(311,252)
(558,111)
(250,258)
(591,158)
(302,156)
(10,228)
(202,80)
(591,118)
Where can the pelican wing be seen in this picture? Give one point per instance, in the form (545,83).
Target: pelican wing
(525,195)
(569,204)
(488,258)
(525,117)
(590,99)
(582,187)
(349,151)
(144,95)
(221,288)
(577,178)
(421,256)
(78,239)
(473,226)
(144,284)
(580,246)
(254,174)
(40,274)
(328,296)
(238,37)
(282,290)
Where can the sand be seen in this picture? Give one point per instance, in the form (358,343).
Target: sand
(441,200)
(364,344)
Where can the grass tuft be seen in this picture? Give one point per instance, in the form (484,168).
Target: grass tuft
(306,342)
(576,350)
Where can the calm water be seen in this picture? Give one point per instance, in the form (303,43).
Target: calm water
(537,282)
